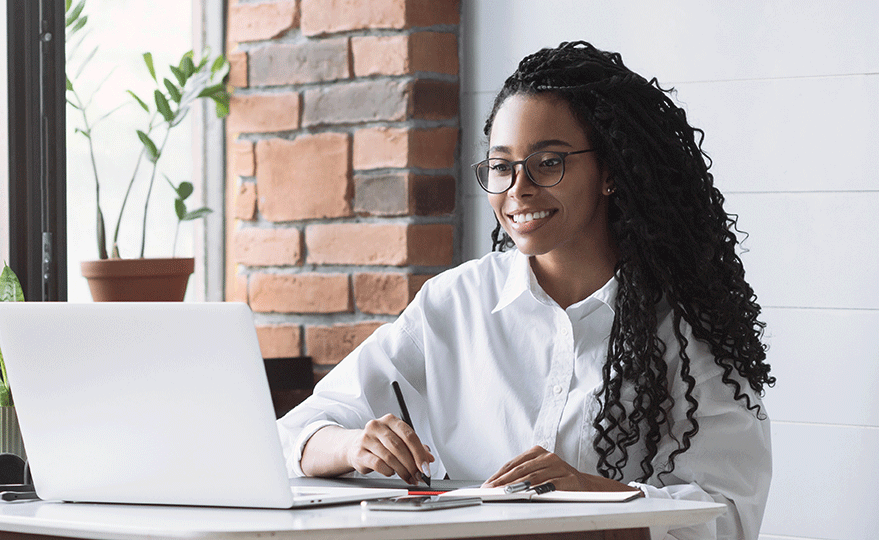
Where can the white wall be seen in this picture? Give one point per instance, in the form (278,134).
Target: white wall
(788,95)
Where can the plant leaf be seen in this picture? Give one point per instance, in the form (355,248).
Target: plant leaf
(69,85)
(222,108)
(10,287)
(85,62)
(210,91)
(173,91)
(79,24)
(152,151)
(148,59)
(218,64)
(179,75)
(163,107)
(67,5)
(75,13)
(180,209)
(184,190)
(186,66)
(87,134)
(142,104)
(196,214)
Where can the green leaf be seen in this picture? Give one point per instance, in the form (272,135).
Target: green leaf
(173,91)
(219,63)
(152,151)
(163,107)
(72,104)
(69,85)
(222,108)
(142,104)
(211,91)
(148,59)
(196,214)
(179,75)
(84,132)
(67,5)
(78,26)
(180,209)
(187,67)
(10,287)
(184,190)
(71,18)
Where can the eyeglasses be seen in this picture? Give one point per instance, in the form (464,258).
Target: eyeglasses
(545,168)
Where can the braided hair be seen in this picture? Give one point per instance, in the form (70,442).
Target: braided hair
(676,245)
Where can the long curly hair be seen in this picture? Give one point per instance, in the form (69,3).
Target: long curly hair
(676,244)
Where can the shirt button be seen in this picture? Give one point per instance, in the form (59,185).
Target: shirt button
(557,389)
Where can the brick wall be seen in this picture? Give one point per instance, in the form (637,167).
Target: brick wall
(342,148)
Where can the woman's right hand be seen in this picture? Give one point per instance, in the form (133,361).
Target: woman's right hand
(386,445)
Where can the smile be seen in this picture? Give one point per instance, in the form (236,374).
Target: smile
(530,216)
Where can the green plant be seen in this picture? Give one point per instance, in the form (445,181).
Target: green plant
(10,291)
(192,79)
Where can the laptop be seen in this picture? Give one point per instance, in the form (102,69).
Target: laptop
(150,403)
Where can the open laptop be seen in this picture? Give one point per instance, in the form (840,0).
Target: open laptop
(152,403)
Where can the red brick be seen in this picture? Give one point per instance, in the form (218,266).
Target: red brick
(384,147)
(434,100)
(279,340)
(306,178)
(356,102)
(404,194)
(237,69)
(430,244)
(241,158)
(261,113)
(405,54)
(245,201)
(300,293)
(298,63)
(379,244)
(328,345)
(259,21)
(268,247)
(331,16)
(385,293)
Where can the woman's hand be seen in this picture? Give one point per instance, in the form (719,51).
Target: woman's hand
(386,445)
(540,466)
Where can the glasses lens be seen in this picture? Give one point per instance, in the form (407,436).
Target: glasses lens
(545,168)
(495,175)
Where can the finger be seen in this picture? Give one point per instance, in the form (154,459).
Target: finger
(400,453)
(498,478)
(380,441)
(420,454)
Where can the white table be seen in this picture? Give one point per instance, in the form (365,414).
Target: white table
(127,522)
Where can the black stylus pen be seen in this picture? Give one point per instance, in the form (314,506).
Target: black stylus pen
(405,411)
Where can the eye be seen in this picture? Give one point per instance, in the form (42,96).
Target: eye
(499,166)
(549,161)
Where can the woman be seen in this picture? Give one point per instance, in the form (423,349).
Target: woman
(616,348)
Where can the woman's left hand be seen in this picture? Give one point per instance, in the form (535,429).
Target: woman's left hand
(540,466)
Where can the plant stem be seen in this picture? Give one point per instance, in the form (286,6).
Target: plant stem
(146,205)
(102,242)
(128,191)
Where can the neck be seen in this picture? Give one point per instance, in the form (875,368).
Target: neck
(571,276)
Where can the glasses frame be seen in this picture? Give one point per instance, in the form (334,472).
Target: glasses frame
(562,156)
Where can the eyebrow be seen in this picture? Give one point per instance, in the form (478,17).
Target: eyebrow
(539,145)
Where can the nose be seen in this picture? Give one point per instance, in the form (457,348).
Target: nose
(522,186)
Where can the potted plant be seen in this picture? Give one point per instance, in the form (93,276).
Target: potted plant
(10,434)
(112,277)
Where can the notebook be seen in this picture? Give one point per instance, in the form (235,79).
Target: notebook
(153,403)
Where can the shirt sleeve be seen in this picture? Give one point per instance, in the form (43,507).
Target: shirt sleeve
(729,462)
(358,390)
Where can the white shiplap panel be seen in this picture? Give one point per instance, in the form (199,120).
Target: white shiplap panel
(811,249)
(789,134)
(826,363)
(824,481)
(681,40)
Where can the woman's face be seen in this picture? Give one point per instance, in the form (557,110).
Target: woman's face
(570,216)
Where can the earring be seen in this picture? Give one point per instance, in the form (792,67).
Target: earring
(609,190)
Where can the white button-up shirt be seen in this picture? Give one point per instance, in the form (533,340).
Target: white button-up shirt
(490,366)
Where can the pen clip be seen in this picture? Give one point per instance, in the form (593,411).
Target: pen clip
(543,488)
(516,488)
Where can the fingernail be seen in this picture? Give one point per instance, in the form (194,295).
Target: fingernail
(425,468)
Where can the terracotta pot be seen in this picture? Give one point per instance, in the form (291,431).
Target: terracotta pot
(138,280)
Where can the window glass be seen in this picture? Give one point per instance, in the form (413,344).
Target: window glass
(115,37)
(4,145)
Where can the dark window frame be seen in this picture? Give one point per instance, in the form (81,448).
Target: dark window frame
(37,147)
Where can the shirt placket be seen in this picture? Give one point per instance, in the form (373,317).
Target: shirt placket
(558,383)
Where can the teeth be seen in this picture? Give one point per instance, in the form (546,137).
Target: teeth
(525,218)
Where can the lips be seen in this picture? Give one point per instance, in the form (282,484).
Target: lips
(528,221)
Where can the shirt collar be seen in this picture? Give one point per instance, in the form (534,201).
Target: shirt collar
(521,278)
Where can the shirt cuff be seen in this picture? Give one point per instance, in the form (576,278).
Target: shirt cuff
(302,440)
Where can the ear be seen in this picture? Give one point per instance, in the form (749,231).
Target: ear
(608,184)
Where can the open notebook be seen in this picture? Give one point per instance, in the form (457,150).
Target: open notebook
(498,494)
(157,403)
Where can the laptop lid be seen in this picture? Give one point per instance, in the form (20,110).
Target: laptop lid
(157,403)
